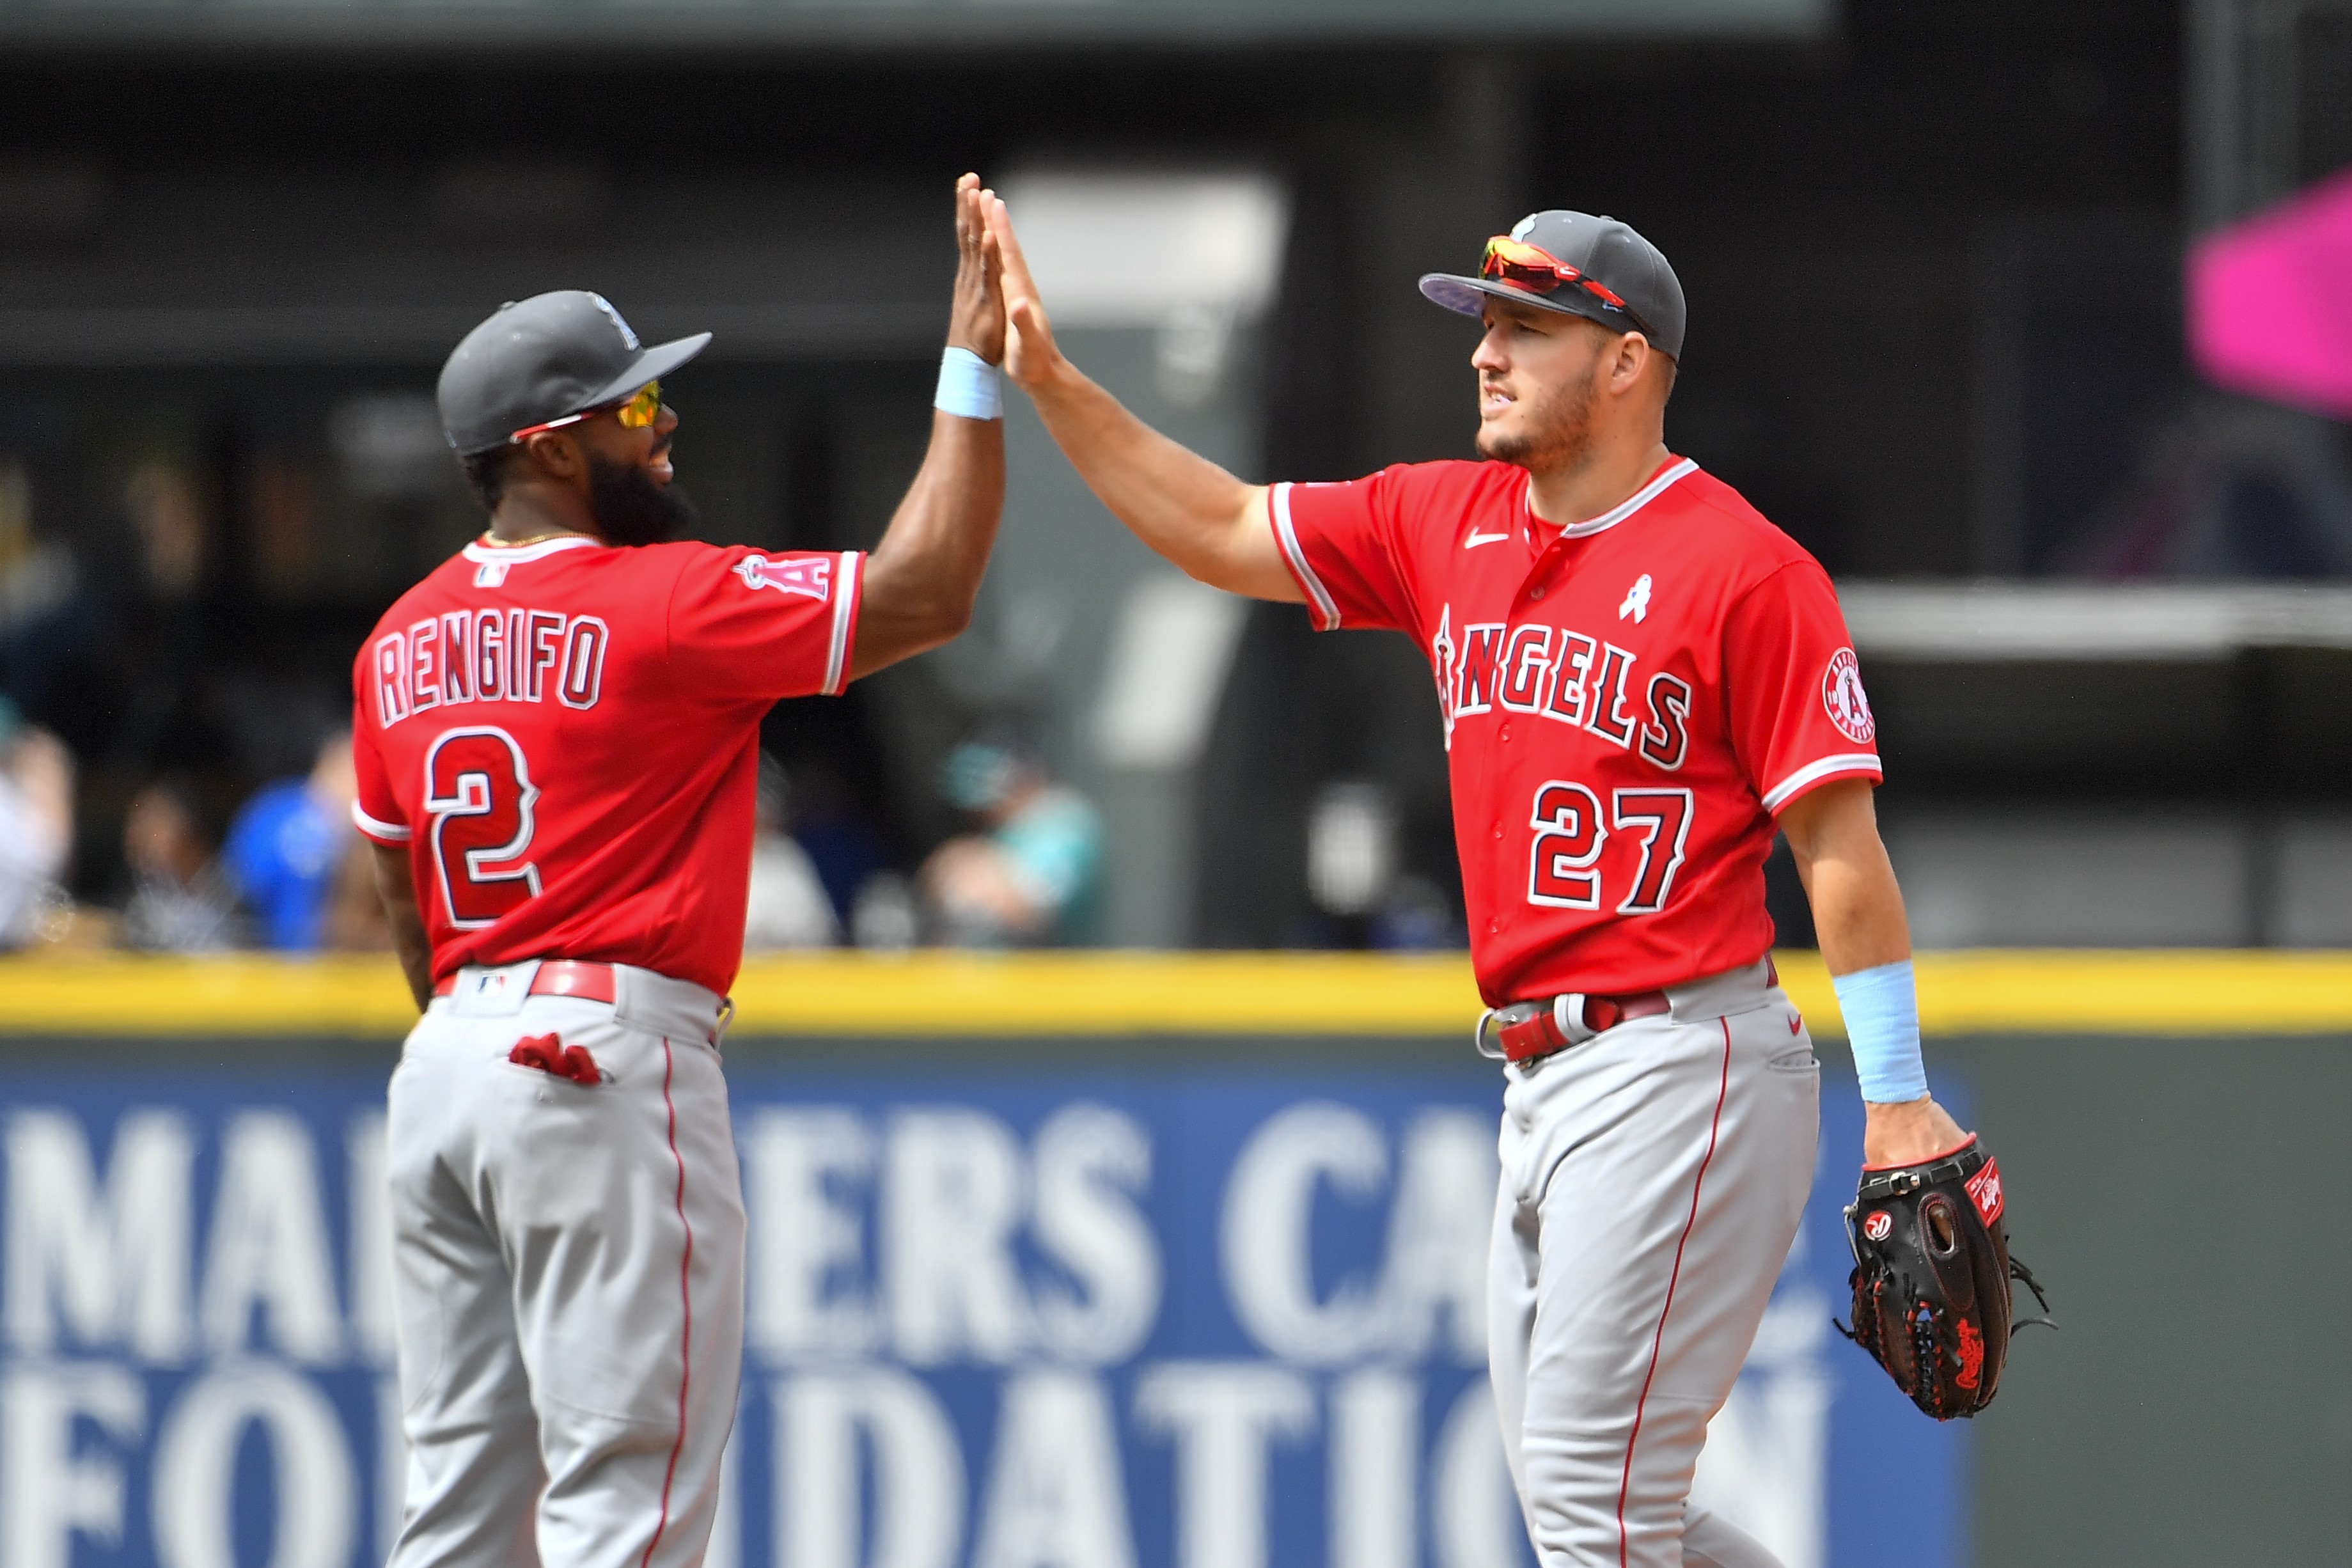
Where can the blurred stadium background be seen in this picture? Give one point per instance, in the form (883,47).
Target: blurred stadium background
(2035,323)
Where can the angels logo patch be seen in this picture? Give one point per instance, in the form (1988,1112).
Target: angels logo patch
(1984,1191)
(810,575)
(1842,695)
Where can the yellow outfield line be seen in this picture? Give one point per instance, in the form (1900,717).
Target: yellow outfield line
(2192,993)
(111,994)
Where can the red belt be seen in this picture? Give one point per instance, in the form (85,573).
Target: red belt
(558,977)
(1539,1034)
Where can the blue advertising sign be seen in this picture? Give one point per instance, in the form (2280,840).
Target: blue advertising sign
(1179,1317)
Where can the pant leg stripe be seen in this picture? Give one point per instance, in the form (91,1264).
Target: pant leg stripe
(1625,1485)
(686,1300)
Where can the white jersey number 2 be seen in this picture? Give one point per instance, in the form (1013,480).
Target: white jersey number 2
(1563,862)
(478,792)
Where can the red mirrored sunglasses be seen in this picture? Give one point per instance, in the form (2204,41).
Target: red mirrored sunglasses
(635,412)
(1538,270)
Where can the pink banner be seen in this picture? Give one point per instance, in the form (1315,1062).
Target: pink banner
(2270,302)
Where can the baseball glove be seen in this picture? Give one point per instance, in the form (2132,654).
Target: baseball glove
(1931,1279)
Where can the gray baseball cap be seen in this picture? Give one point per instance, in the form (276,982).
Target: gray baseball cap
(541,358)
(1637,291)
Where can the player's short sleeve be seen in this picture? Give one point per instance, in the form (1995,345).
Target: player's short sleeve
(375,809)
(1344,546)
(746,623)
(1796,707)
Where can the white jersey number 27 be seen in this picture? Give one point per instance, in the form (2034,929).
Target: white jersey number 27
(1563,861)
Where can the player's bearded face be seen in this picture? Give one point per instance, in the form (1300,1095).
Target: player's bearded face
(1549,425)
(630,509)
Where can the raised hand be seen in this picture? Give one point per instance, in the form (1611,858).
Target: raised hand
(1030,355)
(977,321)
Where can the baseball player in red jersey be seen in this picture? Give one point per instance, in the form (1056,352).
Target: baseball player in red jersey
(1641,680)
(557,736)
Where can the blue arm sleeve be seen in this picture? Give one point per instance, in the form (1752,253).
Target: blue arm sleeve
(1882,1023)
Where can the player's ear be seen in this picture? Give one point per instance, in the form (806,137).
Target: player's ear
(555,454)
(1632,356)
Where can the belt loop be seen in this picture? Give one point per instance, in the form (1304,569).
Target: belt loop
(1567,1017)
(1478,1038)
(726,1016)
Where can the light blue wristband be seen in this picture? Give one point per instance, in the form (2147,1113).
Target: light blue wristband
(1882,1023)
(968,386)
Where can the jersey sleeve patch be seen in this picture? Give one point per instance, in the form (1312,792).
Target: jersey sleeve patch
(1841,694)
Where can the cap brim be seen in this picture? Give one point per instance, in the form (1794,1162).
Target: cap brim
(651,364)
(1467,297)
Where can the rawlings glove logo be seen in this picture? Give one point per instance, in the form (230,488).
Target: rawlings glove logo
(1984,1191)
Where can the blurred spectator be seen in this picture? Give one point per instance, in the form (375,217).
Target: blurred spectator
(285,844)
(885,918)
(788,906)
(1033,877)
(180,903)
(36,823)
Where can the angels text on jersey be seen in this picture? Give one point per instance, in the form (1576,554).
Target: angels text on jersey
(1556,673)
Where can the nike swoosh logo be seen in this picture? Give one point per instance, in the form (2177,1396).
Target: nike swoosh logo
(1478,538)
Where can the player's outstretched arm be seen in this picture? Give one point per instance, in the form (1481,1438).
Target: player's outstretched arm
(1184,507)
(921,579)
(398,887)
(1858,919)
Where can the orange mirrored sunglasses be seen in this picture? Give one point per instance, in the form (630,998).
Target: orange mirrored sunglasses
(1538,270)
(635,412)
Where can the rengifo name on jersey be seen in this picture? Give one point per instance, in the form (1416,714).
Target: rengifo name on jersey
(514,655)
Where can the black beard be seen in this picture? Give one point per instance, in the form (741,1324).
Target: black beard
(630,509)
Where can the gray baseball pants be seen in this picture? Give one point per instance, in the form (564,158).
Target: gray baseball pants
(567,1278)
(1652,1181)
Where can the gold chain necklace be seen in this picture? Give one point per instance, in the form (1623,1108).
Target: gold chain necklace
(494,543)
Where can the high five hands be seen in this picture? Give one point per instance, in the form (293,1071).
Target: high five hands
(977,321)
(1030,355)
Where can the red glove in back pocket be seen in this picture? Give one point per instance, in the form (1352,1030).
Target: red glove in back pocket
(549,1054)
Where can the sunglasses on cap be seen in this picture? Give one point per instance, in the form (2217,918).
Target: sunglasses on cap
(1538,271)
(635,412)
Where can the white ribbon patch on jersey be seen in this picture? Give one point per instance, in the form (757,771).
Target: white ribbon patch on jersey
(811,576)
(1637,601)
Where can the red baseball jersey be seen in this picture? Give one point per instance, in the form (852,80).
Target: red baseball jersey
(1627,703)
(566,737)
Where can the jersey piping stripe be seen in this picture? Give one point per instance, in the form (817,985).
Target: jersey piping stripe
(1631,504)
(511,554)
(686,1300)
(845,620)
(1327,614)
(1674,1276)
(1813,773)
(390,831)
